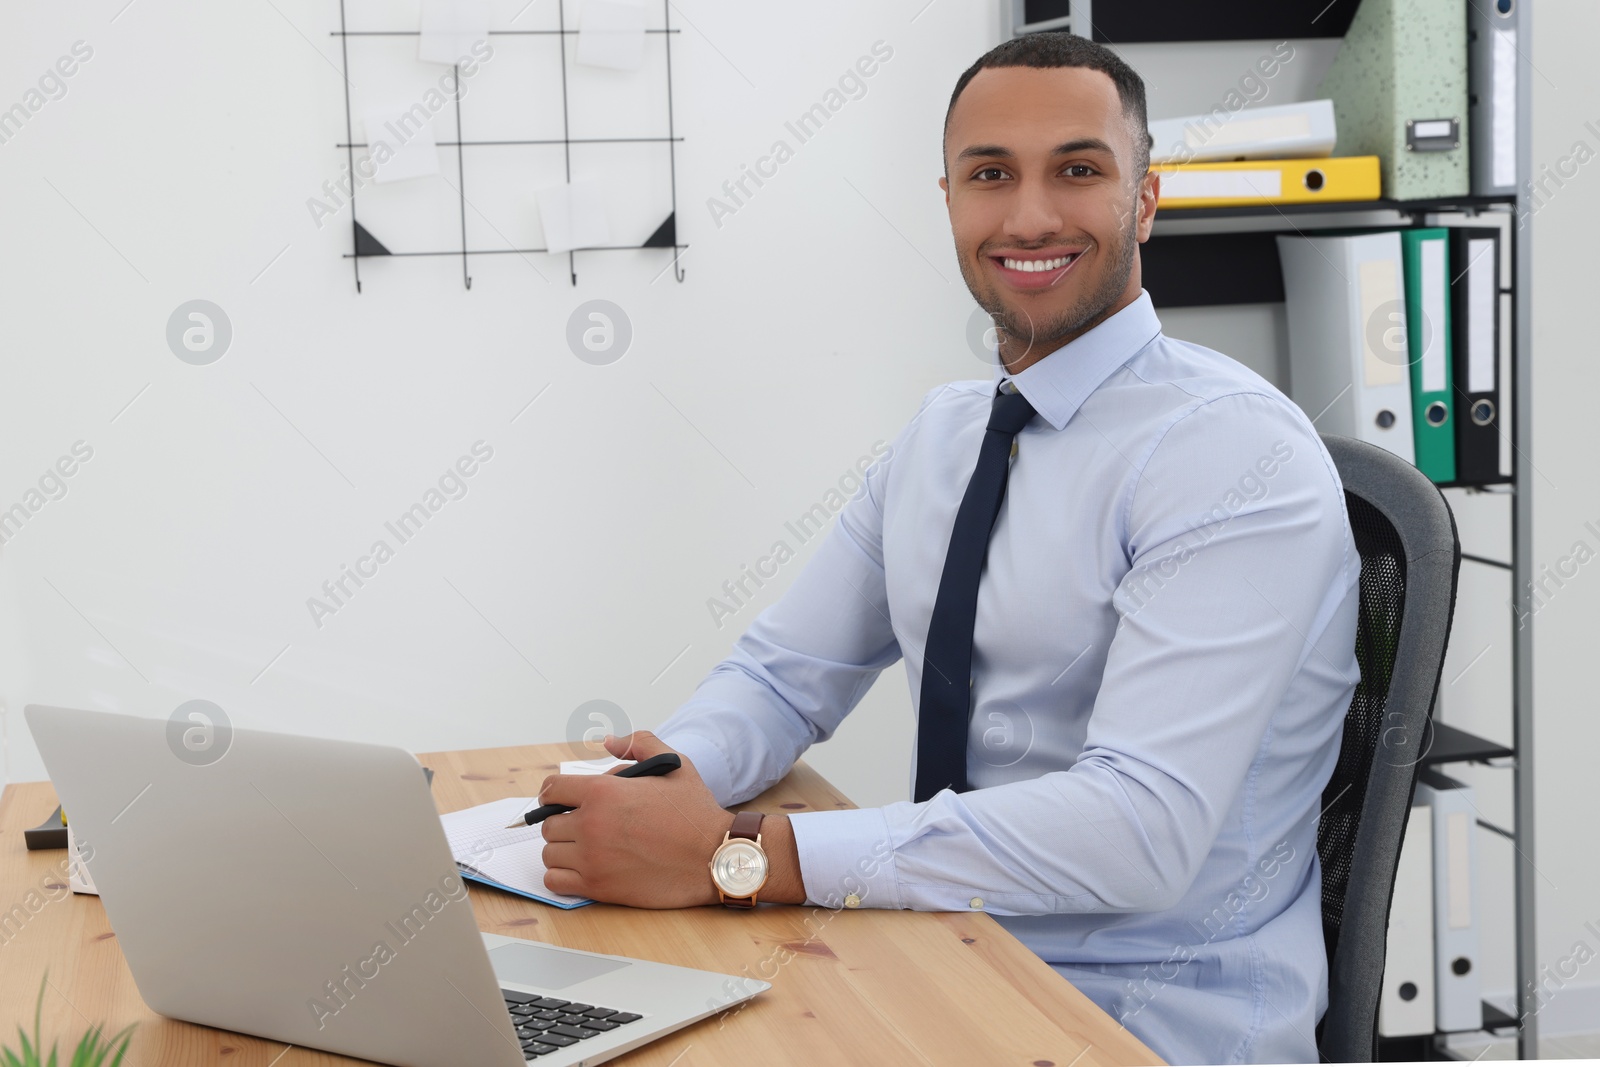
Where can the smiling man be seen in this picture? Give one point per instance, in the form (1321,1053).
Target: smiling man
(1122,581)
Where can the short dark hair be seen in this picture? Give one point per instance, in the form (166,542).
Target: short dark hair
(1058,48)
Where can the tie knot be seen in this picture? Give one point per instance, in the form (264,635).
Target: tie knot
(1010,413)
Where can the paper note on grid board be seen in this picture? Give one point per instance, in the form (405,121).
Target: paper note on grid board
(449,28)
(574,216)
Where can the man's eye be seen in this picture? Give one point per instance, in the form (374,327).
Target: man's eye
(1080,166)
(989,174)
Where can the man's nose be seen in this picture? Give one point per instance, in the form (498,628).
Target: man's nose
(1034,214)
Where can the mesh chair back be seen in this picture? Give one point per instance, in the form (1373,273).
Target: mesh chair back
(1410,554)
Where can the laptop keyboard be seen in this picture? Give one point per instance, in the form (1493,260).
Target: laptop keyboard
(545,1024)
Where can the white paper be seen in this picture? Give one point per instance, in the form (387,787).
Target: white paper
(1195,184)
(1433,287)
(1378,289)
(1249,131)
(574,216)
(1503,107)
(1482,268)
(450,28)
(1277,131)
(411,153)
(481,845)
(1507,411)
(78,871)
(611,34)
(594,766)
(1458,893)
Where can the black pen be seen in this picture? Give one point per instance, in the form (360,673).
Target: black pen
(662,764)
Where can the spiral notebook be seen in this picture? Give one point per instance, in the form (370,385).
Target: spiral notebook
(512,860)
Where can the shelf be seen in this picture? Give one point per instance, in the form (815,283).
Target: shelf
(1450,745)
(1428,1048)
(1503,480)
(1448,204)
(1495,1020)
(1241,266)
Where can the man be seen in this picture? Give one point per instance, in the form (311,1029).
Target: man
(1129,628)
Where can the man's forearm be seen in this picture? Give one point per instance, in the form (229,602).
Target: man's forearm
(784,884)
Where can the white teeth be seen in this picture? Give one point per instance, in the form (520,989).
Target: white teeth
(1031,266)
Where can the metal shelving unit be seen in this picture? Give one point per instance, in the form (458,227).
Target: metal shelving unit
(1183,264)
(1178,264)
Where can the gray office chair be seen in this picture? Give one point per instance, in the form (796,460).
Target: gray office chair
(1409,557)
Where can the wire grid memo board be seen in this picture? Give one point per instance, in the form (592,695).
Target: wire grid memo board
(514,120)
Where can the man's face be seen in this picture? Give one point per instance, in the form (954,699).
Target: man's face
(1046,214)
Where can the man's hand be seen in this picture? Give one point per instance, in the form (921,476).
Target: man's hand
(647,842)
(644,842)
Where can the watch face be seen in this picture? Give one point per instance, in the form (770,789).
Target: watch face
(739,868)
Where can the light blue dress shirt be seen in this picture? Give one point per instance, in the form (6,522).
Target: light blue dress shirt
(1163,655)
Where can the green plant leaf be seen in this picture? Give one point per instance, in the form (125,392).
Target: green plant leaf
(120,1041)
(30,1055)
(88,1051)
(92,1050)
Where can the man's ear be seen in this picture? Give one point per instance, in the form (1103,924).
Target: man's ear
(944,183)
(1149,188)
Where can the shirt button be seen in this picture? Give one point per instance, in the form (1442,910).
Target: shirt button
(976,902)
(852,901)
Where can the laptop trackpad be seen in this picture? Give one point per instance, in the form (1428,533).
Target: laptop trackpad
(547,968)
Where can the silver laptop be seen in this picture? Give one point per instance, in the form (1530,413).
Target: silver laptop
(301,890)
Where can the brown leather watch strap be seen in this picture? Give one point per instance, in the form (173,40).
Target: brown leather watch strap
(747,824)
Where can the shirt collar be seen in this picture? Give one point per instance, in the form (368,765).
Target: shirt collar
(1059,383)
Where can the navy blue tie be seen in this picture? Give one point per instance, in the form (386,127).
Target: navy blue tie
(944,715)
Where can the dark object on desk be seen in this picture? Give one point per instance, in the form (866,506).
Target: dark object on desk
(664,763)
(427,772)
(52,833)
(1410,556)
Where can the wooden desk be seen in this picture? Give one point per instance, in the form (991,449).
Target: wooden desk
(848,986)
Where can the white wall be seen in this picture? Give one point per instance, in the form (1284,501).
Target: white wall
(178,166)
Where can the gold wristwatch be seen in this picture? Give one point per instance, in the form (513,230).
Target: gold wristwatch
(739,866)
